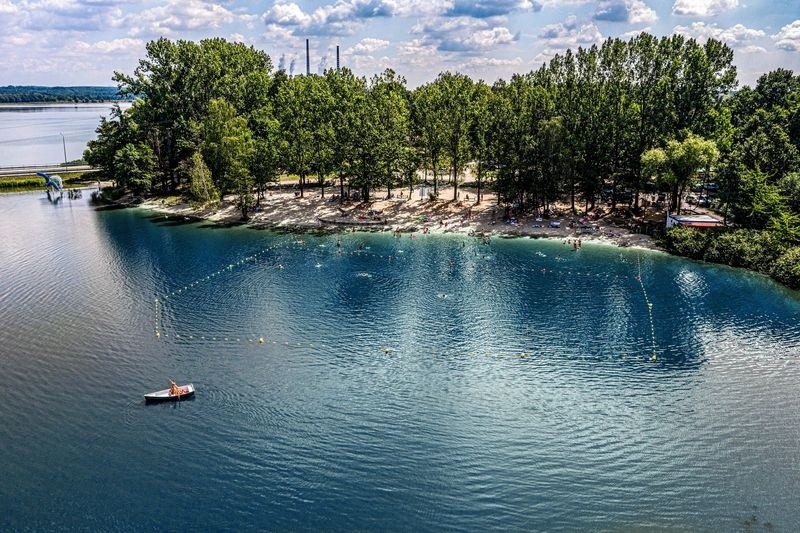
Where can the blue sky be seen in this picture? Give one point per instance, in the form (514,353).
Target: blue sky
(77,42)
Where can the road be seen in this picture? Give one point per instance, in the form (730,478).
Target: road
(54,169)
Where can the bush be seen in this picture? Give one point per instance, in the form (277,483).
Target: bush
(787,268)
(752,249)
(762,251)
(686,242)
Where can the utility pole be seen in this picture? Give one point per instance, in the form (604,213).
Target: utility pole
(64,144)
(308,61)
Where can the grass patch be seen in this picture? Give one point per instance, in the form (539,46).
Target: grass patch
(33,182)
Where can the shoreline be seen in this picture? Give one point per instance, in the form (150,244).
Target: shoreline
(283,211)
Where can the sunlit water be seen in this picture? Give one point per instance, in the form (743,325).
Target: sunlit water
(432,383)
(43,134)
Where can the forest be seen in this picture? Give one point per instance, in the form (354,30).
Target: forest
(29,94)
(213,118)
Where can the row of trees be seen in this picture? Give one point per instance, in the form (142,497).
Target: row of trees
(213,118)
(15,94)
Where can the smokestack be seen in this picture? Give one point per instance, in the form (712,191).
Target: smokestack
(308,60)
(337,58)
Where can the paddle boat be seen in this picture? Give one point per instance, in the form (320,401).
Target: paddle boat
(185,392)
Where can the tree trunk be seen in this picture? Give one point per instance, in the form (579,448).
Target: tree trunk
(302,182)
(480,172)
(455,182)
(572,193)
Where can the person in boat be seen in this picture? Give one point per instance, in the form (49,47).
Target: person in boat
(174,390)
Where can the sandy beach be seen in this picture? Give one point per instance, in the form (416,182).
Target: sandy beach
(283,209)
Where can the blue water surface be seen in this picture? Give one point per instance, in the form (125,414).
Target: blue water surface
(426,384)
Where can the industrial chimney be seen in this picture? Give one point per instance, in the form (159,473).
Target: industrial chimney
(308,60)
(337,58)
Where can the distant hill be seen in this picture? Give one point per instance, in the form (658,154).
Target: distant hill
(26,94)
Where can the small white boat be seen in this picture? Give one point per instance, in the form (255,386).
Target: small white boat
(186,391)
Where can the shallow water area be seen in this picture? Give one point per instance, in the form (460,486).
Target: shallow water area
(433,383)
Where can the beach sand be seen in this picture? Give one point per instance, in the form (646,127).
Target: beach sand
(282,209)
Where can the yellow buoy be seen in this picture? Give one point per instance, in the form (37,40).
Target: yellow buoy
(261,340)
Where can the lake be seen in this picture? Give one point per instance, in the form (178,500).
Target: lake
(422,384)
(31,134)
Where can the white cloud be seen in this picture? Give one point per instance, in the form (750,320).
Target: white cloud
(464,34)
(482,62)
(7,7)
(570,33)
(64,15)
(344,16)
(703,8)
(640,13)
(545,56)
(751,49)
(115,46)
(631,11)
(367,46)
(635,33)
(492,8)
(735,36)
(179,16)
(562,3)
(789,37)
(416,48)
(17,39)
(287,15)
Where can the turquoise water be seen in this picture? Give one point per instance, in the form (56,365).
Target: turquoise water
(416,384)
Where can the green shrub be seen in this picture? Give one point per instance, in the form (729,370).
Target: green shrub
(747,248)
(787,268)
(686,242)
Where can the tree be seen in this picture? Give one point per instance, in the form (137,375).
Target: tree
(136,162)
(227,148)
(293,106)
(348,93)
(757,202)
(389,102)
(455,91)
(790,190)
(101,152)
(268,144)
(174,85)
(479,133)
(196,172)
(679,161)
(429,127)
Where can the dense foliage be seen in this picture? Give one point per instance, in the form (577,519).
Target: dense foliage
(628,117)
(762,251)
(24,94)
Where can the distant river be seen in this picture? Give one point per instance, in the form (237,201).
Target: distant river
(31,134)
(427,384)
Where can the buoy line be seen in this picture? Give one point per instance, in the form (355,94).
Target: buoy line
(653,357)
(329,252)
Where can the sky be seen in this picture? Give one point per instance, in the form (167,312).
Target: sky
(82,42)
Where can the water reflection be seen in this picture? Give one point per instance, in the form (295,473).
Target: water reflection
(520,386)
